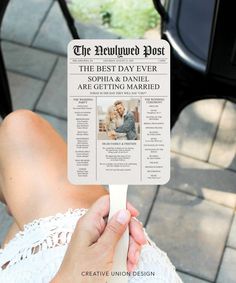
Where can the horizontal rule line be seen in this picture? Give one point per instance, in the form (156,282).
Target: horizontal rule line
(121,58)
(103,95)
(116,74)
(117,63)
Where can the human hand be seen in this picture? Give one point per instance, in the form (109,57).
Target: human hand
(109,133)
(93,243)
(112,135)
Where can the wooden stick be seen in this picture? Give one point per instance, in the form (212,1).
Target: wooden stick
(118,199)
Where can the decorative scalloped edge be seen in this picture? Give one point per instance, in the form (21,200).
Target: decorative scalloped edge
(148,255)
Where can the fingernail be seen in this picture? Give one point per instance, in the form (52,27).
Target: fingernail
(134,208)
(122,217)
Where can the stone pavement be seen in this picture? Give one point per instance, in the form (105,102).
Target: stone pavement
(192,217)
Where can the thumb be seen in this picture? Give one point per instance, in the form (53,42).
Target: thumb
(115,229)
(92,224)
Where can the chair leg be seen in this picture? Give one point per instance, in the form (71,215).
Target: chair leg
(69,19)
(6,104)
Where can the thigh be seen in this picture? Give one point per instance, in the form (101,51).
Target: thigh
(33,170)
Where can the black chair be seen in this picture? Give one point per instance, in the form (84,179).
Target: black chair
(203,60)
(5,97)
(202,36)
(5,100)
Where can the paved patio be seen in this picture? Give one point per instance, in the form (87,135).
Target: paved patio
(193,216)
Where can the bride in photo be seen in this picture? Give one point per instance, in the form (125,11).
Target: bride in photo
(113,121)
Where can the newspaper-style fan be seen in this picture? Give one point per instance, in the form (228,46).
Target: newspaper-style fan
(99,73)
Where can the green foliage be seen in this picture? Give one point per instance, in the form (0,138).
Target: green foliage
(127,18)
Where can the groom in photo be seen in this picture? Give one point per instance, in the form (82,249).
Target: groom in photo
(128,122)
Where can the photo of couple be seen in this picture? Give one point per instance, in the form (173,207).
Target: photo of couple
(119,119)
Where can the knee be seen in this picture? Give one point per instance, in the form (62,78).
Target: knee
(19,124)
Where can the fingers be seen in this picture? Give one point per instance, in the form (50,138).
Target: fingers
(115,229)
(92,224)
(133,254)
(136,231)
(134,212)
(101,206)
(137,239)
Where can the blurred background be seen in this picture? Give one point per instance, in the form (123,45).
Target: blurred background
(192,217)
(124,18)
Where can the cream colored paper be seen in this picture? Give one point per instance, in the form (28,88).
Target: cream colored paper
(140,79)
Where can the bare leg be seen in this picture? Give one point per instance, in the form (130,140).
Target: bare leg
(33,170)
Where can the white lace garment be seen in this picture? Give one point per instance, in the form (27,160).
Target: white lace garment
(35,254)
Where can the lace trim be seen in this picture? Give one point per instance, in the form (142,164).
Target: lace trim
(39,235)
(46,233)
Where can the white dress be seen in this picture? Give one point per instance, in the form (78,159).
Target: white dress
(34,255)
